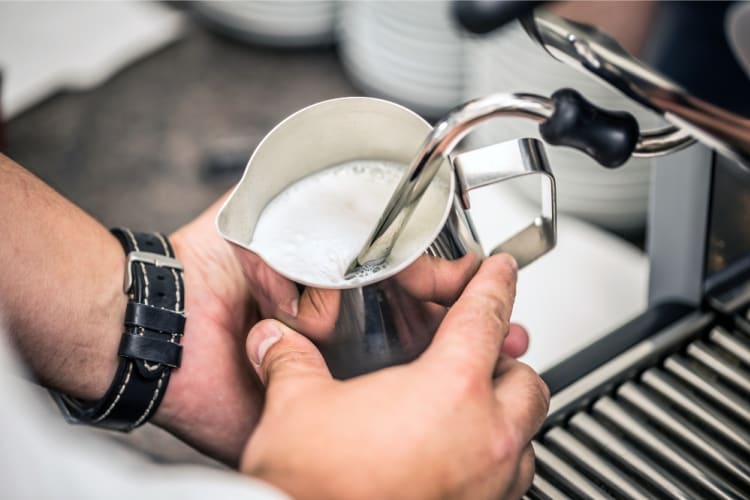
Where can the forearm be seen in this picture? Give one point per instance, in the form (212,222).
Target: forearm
(61,298)
(63,306)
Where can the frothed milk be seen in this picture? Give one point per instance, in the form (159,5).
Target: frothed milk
(313,229)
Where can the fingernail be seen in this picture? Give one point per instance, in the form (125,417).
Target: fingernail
(291,308)
(265,335)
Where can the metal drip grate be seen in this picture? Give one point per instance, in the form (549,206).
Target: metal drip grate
(670,418)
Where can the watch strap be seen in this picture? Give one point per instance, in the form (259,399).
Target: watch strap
(150,345)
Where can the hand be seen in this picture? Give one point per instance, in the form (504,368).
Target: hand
(457,422)
(213,401)
(55,251)
(419,296)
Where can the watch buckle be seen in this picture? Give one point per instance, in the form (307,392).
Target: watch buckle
(155,259)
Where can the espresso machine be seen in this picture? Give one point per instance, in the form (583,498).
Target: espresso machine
(659,408)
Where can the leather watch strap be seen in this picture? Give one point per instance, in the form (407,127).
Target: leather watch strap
(149,348)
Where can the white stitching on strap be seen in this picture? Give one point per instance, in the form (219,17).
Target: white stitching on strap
(178,305)
(172,339)
(117,398)
(150,403)
(163,244)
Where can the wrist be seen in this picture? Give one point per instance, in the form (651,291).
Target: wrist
(84,367)
(104,358)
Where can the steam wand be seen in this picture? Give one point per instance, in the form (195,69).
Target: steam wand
(610,137)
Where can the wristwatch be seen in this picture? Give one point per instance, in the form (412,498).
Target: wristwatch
(150,344)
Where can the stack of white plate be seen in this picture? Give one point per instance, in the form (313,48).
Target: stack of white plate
(409,52)
(511,62)
(275,23)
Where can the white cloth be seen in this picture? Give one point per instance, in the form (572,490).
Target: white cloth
(49,46)
(40,457)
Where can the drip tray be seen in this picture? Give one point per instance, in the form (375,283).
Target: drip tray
(668,418)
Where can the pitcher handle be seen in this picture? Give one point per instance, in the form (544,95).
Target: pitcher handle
(505,161)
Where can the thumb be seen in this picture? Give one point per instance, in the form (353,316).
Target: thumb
(280,355)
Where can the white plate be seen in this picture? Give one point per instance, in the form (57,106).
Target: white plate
(397,75)
(408,48)
(429,47)
(426,109)
(279,26)
(412,31)
(372,64)
(249,19)
(368,71)
(408,65)
(414,68)
(421,102)
(427,15)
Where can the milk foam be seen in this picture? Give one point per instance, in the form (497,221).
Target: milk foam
(313,229)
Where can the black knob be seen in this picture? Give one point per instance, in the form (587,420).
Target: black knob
(609,137)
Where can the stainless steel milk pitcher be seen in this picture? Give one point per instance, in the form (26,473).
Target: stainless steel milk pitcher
(390,318)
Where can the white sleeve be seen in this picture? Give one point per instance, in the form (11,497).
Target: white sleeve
(42,457)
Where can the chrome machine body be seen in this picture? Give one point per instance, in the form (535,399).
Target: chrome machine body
(659,408)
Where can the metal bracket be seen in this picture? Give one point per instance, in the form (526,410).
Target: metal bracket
(505,161)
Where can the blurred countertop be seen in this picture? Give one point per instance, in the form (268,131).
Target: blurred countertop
(132,151)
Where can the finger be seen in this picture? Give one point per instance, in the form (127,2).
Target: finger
(277,296)
(284,358)
(473,331)
(318,313)
(435,279)
(524,475)
(517,342)
(522,397)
